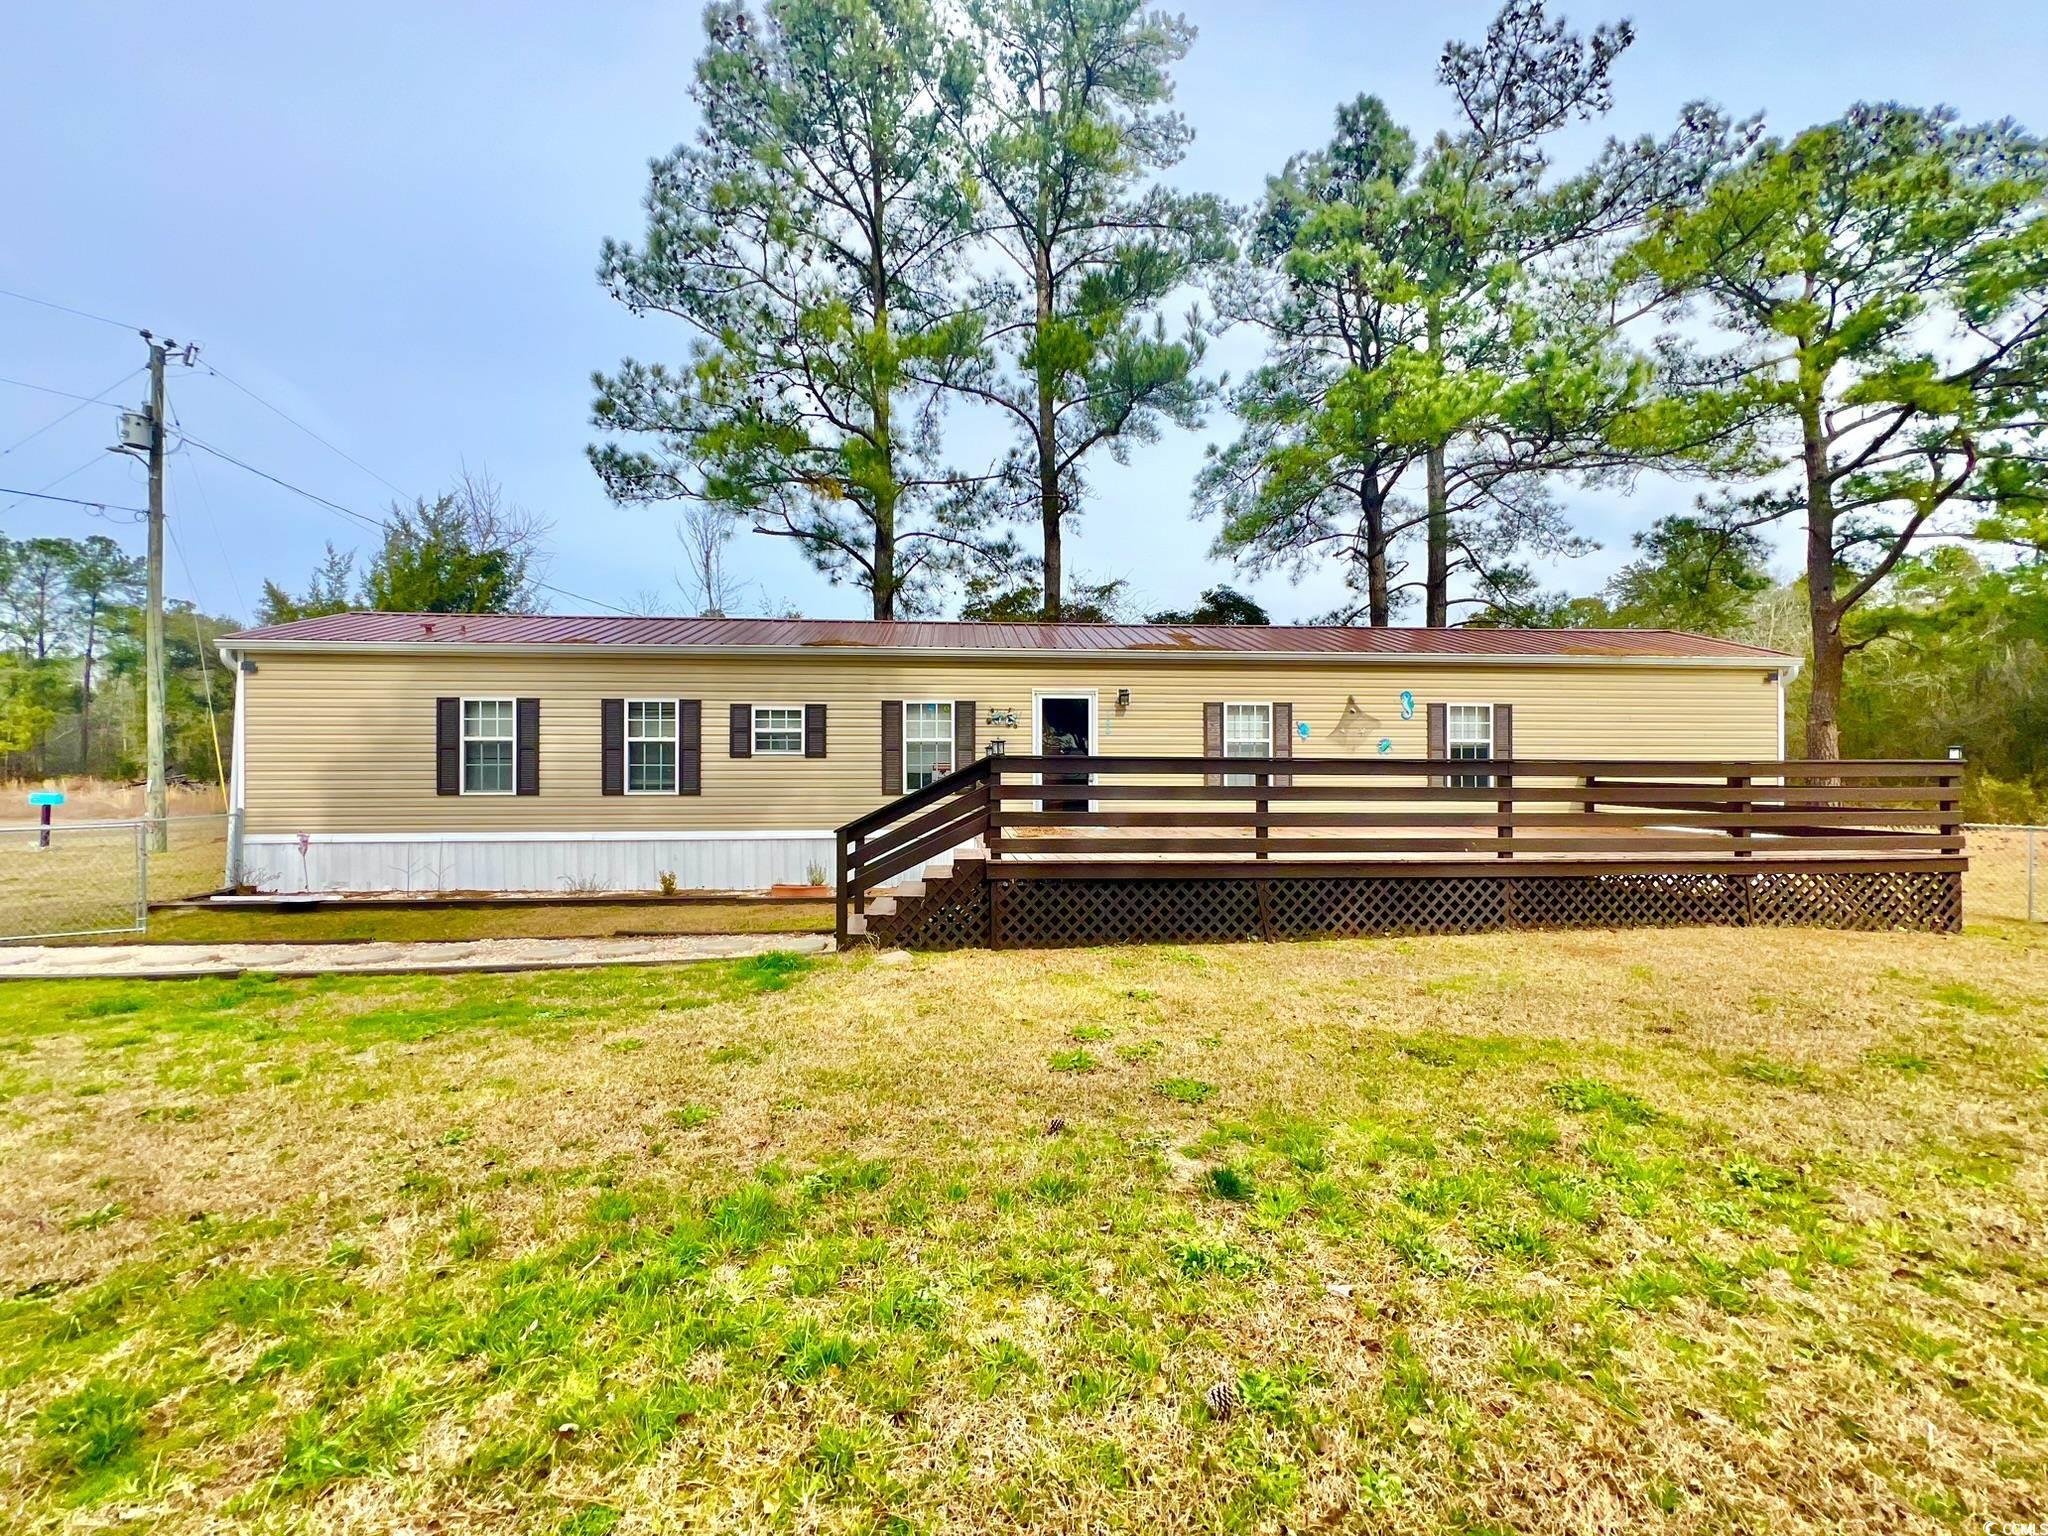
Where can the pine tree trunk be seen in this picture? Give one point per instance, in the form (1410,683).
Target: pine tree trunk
(1372,506)
(880,387)
(1048,451)
(1824,706)
(1438,576)
(92,617)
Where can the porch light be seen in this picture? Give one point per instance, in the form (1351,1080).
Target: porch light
(1123,698)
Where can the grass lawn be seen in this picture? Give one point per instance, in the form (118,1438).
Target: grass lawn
(572,920)
(1705,1230)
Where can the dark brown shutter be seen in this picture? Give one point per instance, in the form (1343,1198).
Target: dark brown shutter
(1439,733)
(526,746)
(447,746)
(1504,730)
(963,732)
(611,746)
(689,746)
(1283,738)
(740,735)
(1212,738)
(814,730)
(892,746)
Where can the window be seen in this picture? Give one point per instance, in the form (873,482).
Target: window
(1247,732)
(487,746)
(1469,733)
(650,746)
(927,743)
(778,730)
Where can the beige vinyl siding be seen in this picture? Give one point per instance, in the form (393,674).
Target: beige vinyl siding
(341,742)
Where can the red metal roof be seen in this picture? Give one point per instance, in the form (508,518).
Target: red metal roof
(342,630)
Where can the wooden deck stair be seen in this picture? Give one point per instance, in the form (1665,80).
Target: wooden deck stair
(945,907)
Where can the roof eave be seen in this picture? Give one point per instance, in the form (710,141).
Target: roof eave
(1761,660)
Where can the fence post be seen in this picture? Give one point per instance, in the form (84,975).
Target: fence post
(141,877)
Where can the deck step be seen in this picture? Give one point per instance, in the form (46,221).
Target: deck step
(856,925)
(881,906)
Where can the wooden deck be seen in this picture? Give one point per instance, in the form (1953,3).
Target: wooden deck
(1184,848)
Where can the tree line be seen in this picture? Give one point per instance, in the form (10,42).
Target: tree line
(897,217)
(72,666)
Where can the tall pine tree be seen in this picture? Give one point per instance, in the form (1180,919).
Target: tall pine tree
(807,239)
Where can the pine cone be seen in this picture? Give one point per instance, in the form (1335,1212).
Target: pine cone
(1222,1398)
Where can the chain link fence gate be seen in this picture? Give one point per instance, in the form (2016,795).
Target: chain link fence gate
(2008,875)
(75,878)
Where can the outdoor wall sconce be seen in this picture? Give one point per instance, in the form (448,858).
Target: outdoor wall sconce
(1123,698)
(997,746)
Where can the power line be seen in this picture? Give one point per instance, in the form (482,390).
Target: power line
(48,485)
(199,644)
(83,402)
(212,523)
(61,394)
(76,501)
(323,442)
(370,522)
(83,314)
(333,506)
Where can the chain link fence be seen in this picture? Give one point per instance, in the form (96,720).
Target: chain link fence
(2008,874)
(84,877)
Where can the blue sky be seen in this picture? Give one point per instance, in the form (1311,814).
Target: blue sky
(383,218)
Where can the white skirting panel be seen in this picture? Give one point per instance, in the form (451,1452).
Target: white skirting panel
(421,862)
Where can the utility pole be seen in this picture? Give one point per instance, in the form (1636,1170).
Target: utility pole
(155,805)
(142,434)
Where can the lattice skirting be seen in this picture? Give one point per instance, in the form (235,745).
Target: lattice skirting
(952,914)
(1060,913)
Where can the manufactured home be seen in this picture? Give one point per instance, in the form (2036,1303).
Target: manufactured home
(422,752)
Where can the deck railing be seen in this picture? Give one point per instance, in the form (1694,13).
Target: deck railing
(1165,818)
(905,834)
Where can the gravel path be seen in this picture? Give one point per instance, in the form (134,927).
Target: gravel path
(165,961)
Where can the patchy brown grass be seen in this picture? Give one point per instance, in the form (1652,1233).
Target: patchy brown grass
(1703,1230)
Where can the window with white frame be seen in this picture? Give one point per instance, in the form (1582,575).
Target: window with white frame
(927,742)
(778,730)
(487,742)
(1247,732)
(650,746)
(1468,731)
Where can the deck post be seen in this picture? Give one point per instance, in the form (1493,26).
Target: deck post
(1590,805)
(839,904)
(1260,831)
(1741,829)
(1504,831)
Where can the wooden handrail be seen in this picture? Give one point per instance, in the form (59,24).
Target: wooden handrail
(910,830)
(1936,768)
(903,805)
